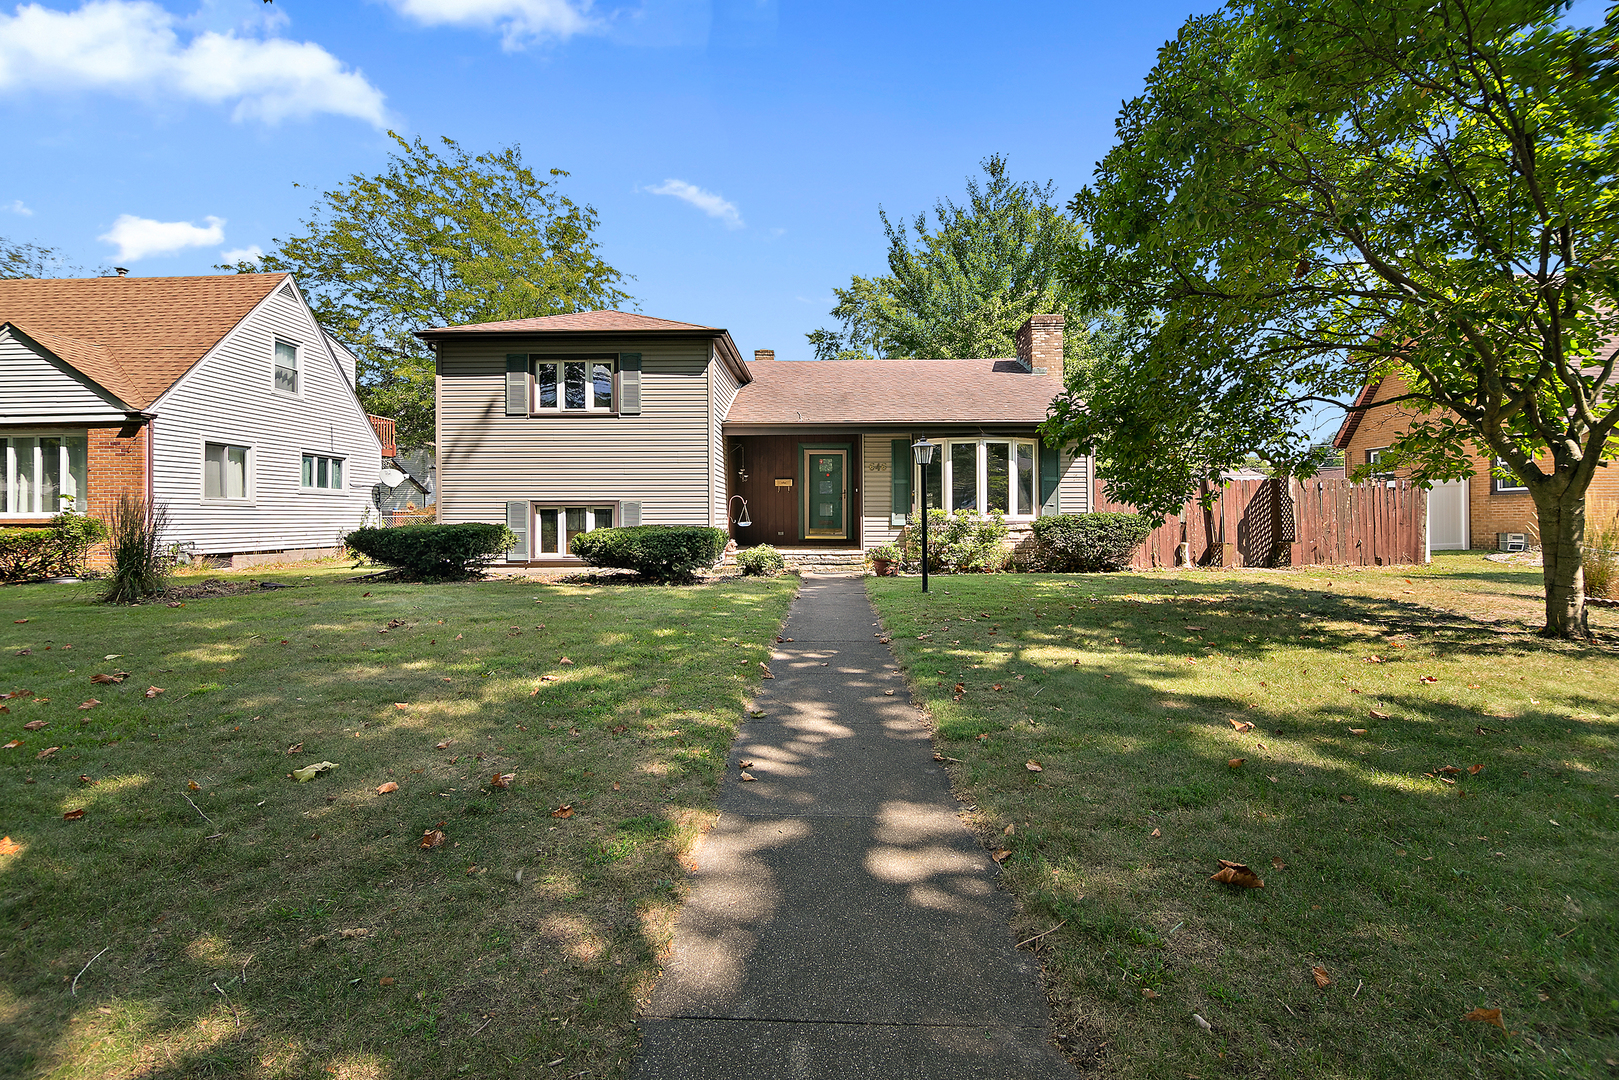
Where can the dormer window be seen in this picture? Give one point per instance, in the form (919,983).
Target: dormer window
(286,367)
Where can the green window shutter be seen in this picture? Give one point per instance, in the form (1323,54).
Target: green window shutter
(518,393)
(517,522)
(1050,478)
(629,513)
(899,483)
(629,384)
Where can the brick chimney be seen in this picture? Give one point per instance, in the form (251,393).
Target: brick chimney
(1039,345)
(763,354)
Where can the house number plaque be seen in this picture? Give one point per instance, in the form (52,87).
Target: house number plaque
(784,481)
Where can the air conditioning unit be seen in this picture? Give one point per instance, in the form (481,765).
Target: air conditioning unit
(1512,541)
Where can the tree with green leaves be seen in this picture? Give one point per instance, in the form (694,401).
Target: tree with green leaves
(962,287)
(20,259)
(438,239)
(1312,194)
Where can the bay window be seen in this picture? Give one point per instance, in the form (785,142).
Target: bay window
(43,474)
(991,476)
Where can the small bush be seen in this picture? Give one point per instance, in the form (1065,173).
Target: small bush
(888,553)
(1601,552)
(59,550)
(433,552)
(761,561)
(1087,543)
(135,540)
(656,552)
(964,542)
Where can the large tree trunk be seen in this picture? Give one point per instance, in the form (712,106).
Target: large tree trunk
(1562,532)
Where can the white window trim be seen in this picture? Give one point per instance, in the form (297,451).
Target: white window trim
(947,473)
(298,369)
(562,506)
(329,456)
(251,468)
(8,471)
(1503,486)
(536,361)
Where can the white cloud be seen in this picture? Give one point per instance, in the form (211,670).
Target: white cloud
(708,202)
(134,47)
(16,207)
(251,253)
(519,21)
(139,237)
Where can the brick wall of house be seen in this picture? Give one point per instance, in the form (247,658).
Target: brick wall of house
(1489,511)
(1039,344)
(117,466)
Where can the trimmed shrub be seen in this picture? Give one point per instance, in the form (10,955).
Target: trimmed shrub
(656,552)
(964,542)
(59,550)
(761,561)
(135,540)
(1087,543)
(433,552)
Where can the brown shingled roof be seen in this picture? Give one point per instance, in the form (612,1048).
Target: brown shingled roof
(892,391)
(133,336)
(603,321)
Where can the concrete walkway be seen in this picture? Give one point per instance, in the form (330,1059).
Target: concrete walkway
(843,921)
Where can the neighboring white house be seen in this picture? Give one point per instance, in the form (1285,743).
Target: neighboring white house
(219,397)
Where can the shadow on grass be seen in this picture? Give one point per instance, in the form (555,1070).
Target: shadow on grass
(527,937)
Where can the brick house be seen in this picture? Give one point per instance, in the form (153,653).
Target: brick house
(567,423)
(219,397)
(1473,513)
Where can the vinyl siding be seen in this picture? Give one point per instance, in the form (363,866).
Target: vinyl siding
(1074,488)
(876,490)
(228,397)
(37,390)
(660,458)
(722,391)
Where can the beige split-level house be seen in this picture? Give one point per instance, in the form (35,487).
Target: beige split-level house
(568,423)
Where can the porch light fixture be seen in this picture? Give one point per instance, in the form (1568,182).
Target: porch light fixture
(924,457)
(742,521)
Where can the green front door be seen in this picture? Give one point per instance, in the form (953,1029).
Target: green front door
(825,495)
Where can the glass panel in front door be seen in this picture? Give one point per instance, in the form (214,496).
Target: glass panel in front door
(825,495)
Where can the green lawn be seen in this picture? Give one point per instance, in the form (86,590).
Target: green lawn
(242,924)
(1422,894)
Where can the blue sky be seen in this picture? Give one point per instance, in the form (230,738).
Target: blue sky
(736,150)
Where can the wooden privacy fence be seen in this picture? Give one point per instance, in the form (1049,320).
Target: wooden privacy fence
(1286,522)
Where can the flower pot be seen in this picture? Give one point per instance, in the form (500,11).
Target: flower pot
(883,567)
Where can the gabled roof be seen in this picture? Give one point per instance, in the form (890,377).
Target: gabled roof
(798,392)
(1351,421)
(596,322)
(133,336)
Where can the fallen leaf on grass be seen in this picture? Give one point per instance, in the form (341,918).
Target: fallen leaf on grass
(34,725)
(565,660)
(1448,770)
(1236,762)
(47,752)
(295,748)
(73,815)
(1321,979)
(153,691)
(1195,629)
(997,686)
(432,838)
(117,676)
(1033,766)
(1002,855)
(1374,659)
(1236,873)
(192,785)
(1241,725)
(445,745)
(502,781)
(13,744)
(386,980)
(1149,993)
(1375,715)
(1157,832)
(961,688)
(1276,861)
(92,703)
(309,772)
(1357,731)
(1429,679)
(388,788)
(1474,770)
(401,705)
(1487,1016)
(1346,798)
(765,668)
(19,621)
(563,811)
(1202,1023)
(8,846)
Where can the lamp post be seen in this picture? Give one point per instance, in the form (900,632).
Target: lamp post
(924,457)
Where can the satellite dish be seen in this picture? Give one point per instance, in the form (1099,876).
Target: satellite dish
(392,477)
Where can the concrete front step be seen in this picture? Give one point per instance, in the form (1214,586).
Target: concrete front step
(827,559)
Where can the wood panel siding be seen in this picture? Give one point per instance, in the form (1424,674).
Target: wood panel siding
(36,389)
(229,397)
(659,458)
(777,511)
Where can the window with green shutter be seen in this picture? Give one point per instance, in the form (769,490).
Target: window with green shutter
(517,514)
(629,384)
(517,382)
(899,504)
